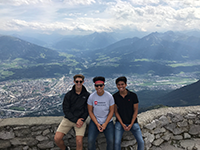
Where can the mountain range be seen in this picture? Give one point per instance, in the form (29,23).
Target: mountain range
(154,52)
(159,54)
(100,54)
(86,42)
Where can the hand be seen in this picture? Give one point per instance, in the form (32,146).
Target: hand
(129,127)
(125,127)
(104,126)
(99,127)
(79,122)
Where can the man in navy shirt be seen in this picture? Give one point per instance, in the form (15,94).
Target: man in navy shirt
(126,110)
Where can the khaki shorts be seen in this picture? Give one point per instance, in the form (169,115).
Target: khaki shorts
(66,125)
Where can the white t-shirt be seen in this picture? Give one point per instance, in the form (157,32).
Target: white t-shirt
(101,105)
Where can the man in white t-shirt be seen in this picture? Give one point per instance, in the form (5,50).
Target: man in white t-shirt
(101,110)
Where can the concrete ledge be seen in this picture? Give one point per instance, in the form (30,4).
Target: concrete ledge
(143,118)
(30,121)
(148,116)
(164,128)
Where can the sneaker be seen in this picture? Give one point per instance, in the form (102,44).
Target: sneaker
(67,148)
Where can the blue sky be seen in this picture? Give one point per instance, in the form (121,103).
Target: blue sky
(88,16)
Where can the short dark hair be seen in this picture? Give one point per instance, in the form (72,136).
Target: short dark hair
(99,78)
(79,76)
(122,78)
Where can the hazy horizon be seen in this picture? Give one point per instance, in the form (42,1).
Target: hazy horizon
(71,17)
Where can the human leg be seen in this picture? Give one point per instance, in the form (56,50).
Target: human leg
(80,132)
(79,142)
(109,134)
(92,135)
(138,136)
(58,138)
(63,129)
(118,135)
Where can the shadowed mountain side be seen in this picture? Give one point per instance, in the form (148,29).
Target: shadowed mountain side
(186,96)
(43,71)
(126,68)
(12,48)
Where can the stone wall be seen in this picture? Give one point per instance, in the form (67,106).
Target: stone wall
(163,129)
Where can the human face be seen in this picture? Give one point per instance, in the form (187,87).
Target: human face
(121,86)
(99,87)
(78,82)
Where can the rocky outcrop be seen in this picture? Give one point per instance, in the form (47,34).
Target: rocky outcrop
(163,129)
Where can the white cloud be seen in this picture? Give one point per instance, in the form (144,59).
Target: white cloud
(36,2)
(23,2)
(99,15)
(144,2)
(83,24)
(78,2)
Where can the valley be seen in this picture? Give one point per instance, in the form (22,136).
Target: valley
(40,97)
(34,79)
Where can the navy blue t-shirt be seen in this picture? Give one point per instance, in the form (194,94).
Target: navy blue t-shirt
(125,106)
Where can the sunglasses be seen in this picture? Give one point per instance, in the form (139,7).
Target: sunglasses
(79,81)
(96,85)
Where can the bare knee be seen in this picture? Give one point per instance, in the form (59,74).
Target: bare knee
(79,141)
(58,137)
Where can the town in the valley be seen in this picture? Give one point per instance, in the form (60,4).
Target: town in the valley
(19,98)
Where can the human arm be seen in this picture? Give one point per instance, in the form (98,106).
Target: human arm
(135,107)
(110,115)
(119,118)
(92,116)
(84,115)
(66,108)
(81,120)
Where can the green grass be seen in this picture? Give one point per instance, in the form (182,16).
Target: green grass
(42,55)
(181,65)
(146,81)
(144,59)
(17,63)
(184,64)
(68,56)
(17,108)
(6,73)
(102,58)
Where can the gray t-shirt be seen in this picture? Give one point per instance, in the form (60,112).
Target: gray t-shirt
(101,105)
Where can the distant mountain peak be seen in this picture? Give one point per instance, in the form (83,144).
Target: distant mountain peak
(153,38)
(92,41)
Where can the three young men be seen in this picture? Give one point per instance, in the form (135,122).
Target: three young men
(101,107)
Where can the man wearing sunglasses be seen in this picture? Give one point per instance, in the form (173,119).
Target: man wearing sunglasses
(101,109)
(75,110)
